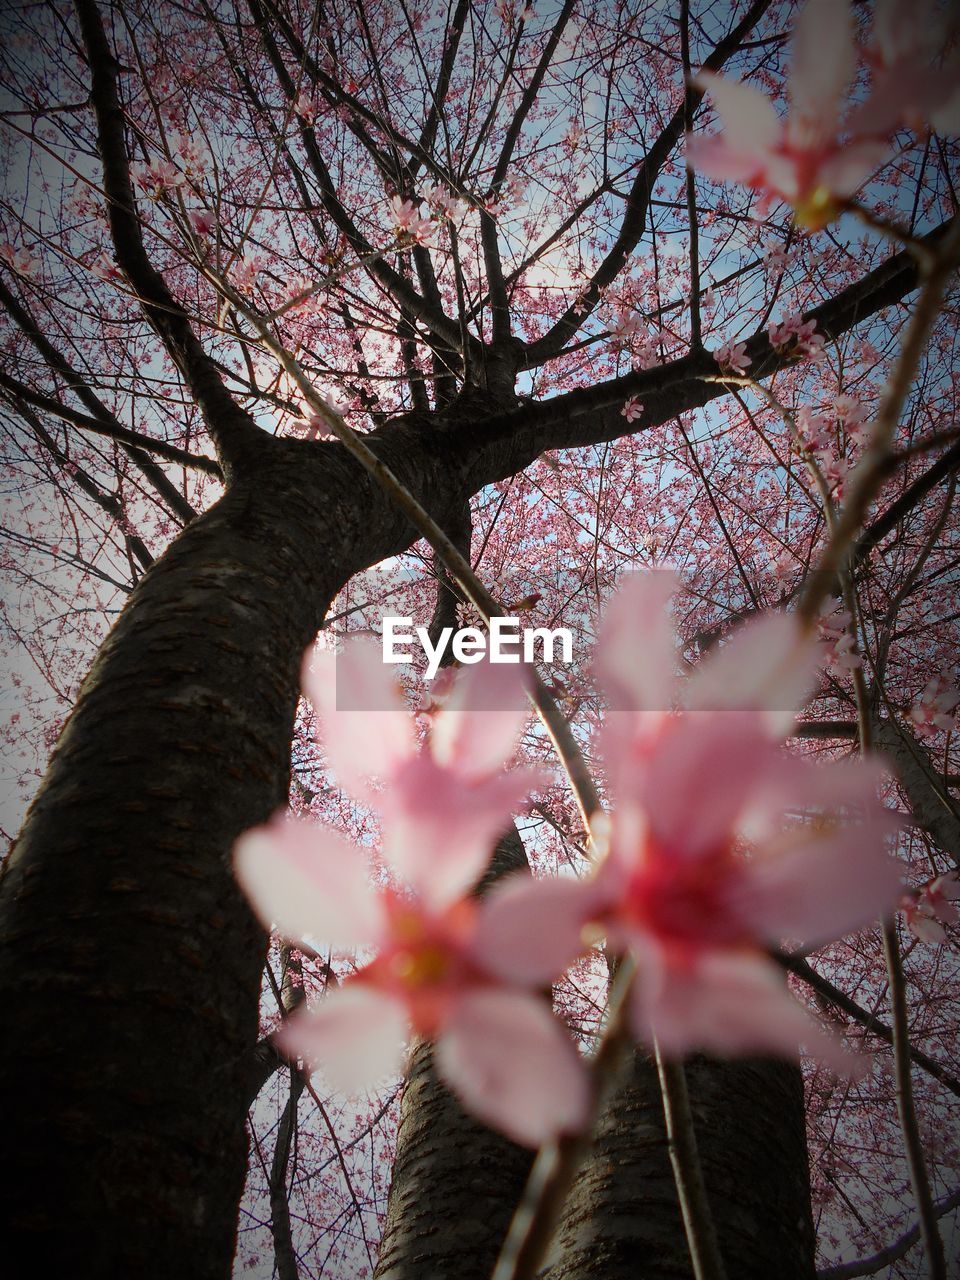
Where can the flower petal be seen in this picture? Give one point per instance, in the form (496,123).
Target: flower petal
(703,777)
(730,1004)
(512,1065)
(848,169)
(636,651)
(307,881)
(822,62)
(750,121)
(356,1035)
(439,829)
(529,931)
(365,727)
(837,877)
(768,665)
(476,730)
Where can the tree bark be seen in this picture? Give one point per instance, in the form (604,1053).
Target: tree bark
(129,962)
(455,1183)
(622,1221)
(933,807)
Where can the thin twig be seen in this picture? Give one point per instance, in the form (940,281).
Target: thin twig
(687,1173)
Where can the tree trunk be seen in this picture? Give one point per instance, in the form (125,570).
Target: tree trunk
(931,803)
(455,1183)
(129,963)
(622,1221)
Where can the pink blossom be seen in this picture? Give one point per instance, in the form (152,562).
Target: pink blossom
(934,710)
(443,203)
(451,793)
(158,177)
(815,429)
(646,352)
(306,106)
(246,270)
(805,160)
(732,357)
(202,222)
(833,627)
(852,415)
(834,470)
(105,268)
(632,409)
(461,971)
(929,908)
(775,256)
(402,213)
(624,326)
(193,154)
(407,221)
(18,260)
(703,872)
(908,87)
(796,337)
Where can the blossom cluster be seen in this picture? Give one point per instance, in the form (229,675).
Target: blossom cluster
(796,337)
(834,628)
(817,158)
(929,908)
(699,872)
(411,223)
(935,709)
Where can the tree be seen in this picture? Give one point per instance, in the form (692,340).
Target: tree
(467,231)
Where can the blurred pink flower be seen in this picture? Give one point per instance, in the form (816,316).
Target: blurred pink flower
(703,873)
(908,87)
(158,176)
(19,260)
(632,409)
(465,972)
(306,106)
(805,160)
(443,805)
(833,627)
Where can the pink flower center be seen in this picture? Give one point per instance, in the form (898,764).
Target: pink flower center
(685,901)
(424,960)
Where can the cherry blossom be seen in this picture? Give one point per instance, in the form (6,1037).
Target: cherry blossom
(306,106)
(104,268)
(815,429)
(19,260)
(443,203)
(797,336)
(935,708)
(449,792)
(806,161)
(407,221)
(462,971)
(632,409)
(703,874)
(732,357)
(158,177)
(833,627)
(929,908)
(776,257)
(246,270)
(202,222)
(624,326)
(909,88)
